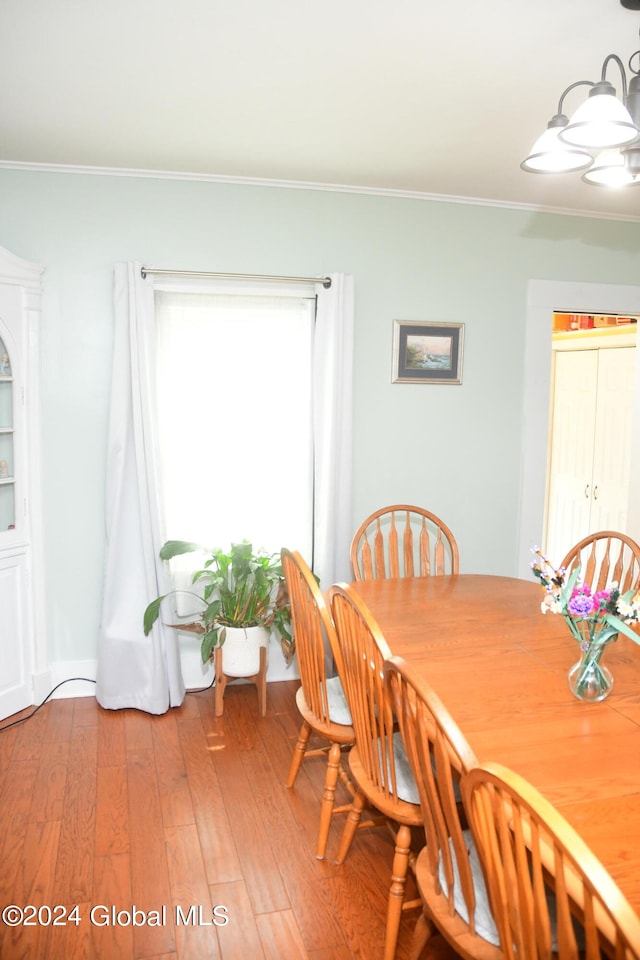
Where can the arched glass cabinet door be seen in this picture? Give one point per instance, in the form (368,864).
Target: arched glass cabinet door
(7,477)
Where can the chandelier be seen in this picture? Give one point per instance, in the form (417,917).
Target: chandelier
(602,138)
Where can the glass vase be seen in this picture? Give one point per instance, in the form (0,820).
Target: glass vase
(589,679)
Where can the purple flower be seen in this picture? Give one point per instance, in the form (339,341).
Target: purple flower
(580,605)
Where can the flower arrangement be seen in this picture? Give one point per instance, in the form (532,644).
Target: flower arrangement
(594,618)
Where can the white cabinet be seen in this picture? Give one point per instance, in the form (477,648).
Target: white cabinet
(21,651)
(590,456)
(7,459)
(15,654)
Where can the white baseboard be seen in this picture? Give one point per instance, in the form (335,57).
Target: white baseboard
(276,667)
(65,672)
(195,673)
(41,685)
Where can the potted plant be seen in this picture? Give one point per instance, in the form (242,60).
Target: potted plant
(243,595)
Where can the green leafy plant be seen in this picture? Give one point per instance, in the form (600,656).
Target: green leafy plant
(237,588)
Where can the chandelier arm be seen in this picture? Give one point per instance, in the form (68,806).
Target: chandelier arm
(616,58)
(631,70)
(578,83)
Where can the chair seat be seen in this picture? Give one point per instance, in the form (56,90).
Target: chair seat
(403,807)
(338,707)
(335,731)
(452,926)
(483,918)
(406,785)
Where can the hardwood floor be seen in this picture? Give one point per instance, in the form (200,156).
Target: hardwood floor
(107,811)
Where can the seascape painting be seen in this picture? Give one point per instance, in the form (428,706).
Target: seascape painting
(428,353)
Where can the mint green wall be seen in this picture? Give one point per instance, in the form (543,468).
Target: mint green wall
(455,449)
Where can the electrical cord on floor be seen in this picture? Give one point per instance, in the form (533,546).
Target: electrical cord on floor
(88,680)
(48,696)
(203,689)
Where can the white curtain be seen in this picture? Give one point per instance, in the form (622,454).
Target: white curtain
(333,391)
(134,670)
(144,672)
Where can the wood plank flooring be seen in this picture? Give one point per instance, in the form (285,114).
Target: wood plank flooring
(105,811)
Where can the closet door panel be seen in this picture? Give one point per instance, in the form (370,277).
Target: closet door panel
(572,450)
(612,446)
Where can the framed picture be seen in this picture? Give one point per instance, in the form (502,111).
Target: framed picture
(427,352)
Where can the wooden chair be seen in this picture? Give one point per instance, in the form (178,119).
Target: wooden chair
(378,762)
(403,541)
(320,700)
(448,871)
(605,557)
(528,849)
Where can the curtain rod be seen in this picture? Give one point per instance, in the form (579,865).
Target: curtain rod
(147,271)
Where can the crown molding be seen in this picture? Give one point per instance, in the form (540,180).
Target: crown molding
(78,170)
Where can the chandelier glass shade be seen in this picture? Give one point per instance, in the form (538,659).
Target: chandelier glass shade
(600,122)
(609,169)
(550,154)
(602,137)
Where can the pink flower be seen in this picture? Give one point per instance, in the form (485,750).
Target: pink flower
(601,598)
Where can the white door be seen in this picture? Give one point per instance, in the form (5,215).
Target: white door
(612,445)
(590,461)
(572,445)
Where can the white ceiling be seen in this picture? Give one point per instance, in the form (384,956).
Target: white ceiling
(424,96)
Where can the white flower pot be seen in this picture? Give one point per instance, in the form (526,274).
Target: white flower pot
(241,650)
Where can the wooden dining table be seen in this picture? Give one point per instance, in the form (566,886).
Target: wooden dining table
(500,666)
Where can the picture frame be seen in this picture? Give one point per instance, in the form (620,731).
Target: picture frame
(425,352)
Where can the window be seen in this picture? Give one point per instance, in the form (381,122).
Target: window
(135,670)
(234,389)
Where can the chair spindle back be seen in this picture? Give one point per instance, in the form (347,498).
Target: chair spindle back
(528,849)
(605,557)
(439,757)
(363,651)
(403,541)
